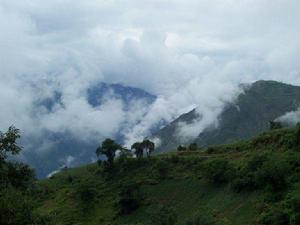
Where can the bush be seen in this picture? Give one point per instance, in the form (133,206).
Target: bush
(85,191)
(161,167)
(130,198)
(219,171)
(181,148)
(193,147)
(275,216)
(246,177)
(16,208)
(18,175)
(273,175)
(164,216)
(201,219)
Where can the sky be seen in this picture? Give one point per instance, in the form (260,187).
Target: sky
(191,54)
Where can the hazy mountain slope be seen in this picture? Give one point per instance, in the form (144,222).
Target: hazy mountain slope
(53,150)
(260,103)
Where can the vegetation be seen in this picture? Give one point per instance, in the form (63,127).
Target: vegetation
(249,182)
(17,185)
(141,147)
(275,125)
(108,148)
(247,117)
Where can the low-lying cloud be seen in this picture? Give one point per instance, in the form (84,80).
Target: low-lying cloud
(290,118)
(190,54)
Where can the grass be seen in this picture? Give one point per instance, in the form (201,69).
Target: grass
(174,180)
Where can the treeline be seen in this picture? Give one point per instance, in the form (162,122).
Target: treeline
(110,148)
(17,185)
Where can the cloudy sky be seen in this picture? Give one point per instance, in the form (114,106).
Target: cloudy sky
(190,53)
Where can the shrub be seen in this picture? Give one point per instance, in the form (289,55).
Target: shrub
(201,219)
(193,147)
(130,198)
(85,191)
(275,216)
(245,179)
(273,174)
(164,216)
(219,171)
(181,148)
(162,168)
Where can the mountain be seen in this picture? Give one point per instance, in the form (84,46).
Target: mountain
(237,183)
(125,93)
(259,103)
(54,150)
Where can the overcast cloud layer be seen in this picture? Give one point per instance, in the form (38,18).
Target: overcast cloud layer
(191,53)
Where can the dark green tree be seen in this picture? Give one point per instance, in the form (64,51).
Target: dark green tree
(108,148)
(138,148)
(8,143)
(193,147)
(148,146)
(181,148)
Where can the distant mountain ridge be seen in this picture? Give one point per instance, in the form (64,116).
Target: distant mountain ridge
(64,148)
(125,93)
(261,102)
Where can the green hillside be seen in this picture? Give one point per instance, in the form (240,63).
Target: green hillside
(249,182)
(249,115)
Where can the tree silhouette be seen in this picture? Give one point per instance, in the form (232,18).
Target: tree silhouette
(139,151)
(148,146)
(108,148)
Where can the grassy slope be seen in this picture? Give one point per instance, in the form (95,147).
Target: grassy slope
(173,180)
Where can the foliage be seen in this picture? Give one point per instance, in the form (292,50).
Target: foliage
(181,148)
(146,145)
(108,148)
(85,191)
(219,171)
(8,143)
(275,125)
(130,198)
(163,216)
(18,175)
(202,218)
(264,174)
(139,151)
(193,147)
(161,167)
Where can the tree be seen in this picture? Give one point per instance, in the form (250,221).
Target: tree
(181,148)
(8,143)
(108,148)
(148,146)
(139,151)
(193,147)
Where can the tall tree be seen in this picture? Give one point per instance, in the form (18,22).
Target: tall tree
(148,146)
(139,151)
(108,148)
(8,143)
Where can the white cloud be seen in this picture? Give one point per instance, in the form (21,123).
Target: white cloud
(189,53)
(290,118)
